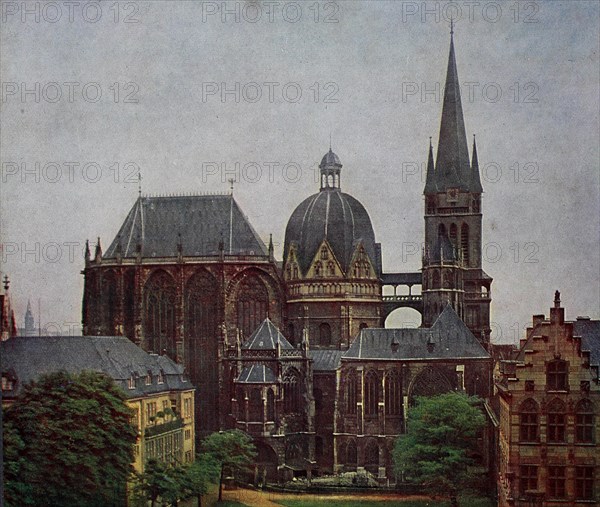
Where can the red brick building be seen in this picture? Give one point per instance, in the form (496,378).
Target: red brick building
(549,403)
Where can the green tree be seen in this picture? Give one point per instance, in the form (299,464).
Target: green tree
(441,440)
(201,473)
(233,450)
(160,481)
(68,442)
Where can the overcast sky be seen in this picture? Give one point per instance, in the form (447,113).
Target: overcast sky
(182,91)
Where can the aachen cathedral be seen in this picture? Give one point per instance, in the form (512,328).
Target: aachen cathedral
(295,352)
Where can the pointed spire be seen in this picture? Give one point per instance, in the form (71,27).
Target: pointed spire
(430,186)
(452,164)
(87,251)
(98,253)
(476,180)
(271,249)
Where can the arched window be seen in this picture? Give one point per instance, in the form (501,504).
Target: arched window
(318,269)
(371,400)
(351,393)
(342,456)
(270,405)
(295,272)
(441,230)
(109,303)
(435,281)
(325,335)
(324,253)
(557,375)
(453,234)
(528,423)
(200,346)
(464,243)
(356,270)
(372,457)
(584,422)
(255,406)
(318,396)
(252,305)
(330,269)
(291,391)
(159,326)
(351,455)
(393,393)
(556,421)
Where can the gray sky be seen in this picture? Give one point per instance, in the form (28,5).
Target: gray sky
(185,85)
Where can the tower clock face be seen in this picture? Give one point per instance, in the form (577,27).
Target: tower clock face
(452,194)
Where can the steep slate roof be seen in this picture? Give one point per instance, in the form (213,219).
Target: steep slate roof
(449,335)
(266,337)
(335,216)
(325,360)
(589,330)
(29,357)
(257,374)
(202,220)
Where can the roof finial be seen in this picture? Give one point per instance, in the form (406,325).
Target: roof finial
(231,182)
(330,140)
(451,26)
(430,142)
(140,184)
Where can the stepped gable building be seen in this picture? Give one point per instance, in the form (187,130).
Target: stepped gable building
(272,347)
(184,276)
(158,393)
(549,411)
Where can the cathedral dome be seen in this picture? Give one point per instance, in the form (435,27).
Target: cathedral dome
(330,158)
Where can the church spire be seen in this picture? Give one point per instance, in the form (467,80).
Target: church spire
(476,180)
(452,164)
(430,187)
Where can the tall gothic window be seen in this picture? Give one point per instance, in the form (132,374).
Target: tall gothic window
(252,305)
(441,230)
(557,375)
(393,393)
(109,303)
(159,325)
(324,253)
(371,395)
(129,303)
(325,334)
(351,455)
(556,421)
(291,391)
(372,457)
(528,424)
(464,243)
(584,422)
(255,405)
(453,234)
(351,393)
(270,405)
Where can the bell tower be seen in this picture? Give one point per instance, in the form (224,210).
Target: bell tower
(452,270)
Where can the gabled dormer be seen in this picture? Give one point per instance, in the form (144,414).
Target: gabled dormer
(361,265)
(324,263)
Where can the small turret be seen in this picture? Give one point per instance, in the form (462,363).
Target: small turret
(98,253)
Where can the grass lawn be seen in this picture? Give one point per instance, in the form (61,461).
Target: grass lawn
(466,502)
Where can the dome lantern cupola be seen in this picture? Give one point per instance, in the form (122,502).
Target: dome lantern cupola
(330,167)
